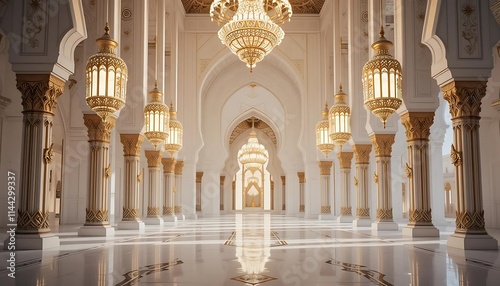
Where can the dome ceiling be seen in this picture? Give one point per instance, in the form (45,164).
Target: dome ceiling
(299,6)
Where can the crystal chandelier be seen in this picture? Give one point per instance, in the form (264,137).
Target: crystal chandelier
(340,120)
(106,75)
(253,155)
(323,141)
(251,27)
(382,79)
(173,143)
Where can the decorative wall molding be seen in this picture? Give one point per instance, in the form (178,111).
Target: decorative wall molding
(468,29)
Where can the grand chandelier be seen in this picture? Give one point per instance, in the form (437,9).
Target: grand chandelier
(253,155)
(106,75)
(173,143)
(323,141)
(382,79)
(340,120)
(251,27)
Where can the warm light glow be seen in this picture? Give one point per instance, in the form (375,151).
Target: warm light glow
(156,118)
(382,81)
(251,28)
(173,143)
(253,155)
(106,75)
(340,120)
(323,141)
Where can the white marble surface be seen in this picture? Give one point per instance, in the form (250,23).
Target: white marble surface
(286,250)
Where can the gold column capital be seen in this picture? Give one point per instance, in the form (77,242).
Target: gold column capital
(345,159)
(168,165)
(324,167)
(199,175)
(283,180)
(97,129)
(178,167)
(417,125)
(382,144)
(302,177)
(222,179)
(131,144)
(464,97)
(154,158)
(39,92)
(362,152)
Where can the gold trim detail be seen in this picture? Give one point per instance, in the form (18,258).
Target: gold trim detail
(178,167)
(198,208)
(417,125)
(408,171)
(302,208)
(326,209)
(456,157)
(283,180)
(355,181)
(362,152)
(199,175)
(324,167)
(98,130)
(154,158)
(130,213)
(168,210)
(420,216)
(375,178)
(345,211)
(32,220)
(363,212)
(302,177)
(131,144)
(169,165)
(96,215)
(153,211)
(48,154)
(384,214)
(177,209)
(382,144)
(345,159)
(470,221)
(107,171)
(464,97)
(39,92)
(139,177)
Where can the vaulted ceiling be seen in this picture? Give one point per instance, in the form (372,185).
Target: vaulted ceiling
(298,6)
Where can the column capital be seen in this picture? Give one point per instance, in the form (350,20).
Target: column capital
(345,159)
(178,167)
(97,129)
(302,177)
(417,125)
(283,180)
(362,152)
(131,144)
(199,175)
(464,97)
(382,144)
(324,167)
(168,165)
(39,92)
(154,158)
(222,179)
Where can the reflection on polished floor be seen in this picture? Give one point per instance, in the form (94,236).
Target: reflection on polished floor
(253,249)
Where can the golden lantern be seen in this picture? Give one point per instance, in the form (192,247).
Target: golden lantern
(251,27)
(382,80)
(106,75)
(173,143)
(323,141)
(340,120)
(253,155)
(156,118)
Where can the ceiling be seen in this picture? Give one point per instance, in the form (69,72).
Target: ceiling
(298,6)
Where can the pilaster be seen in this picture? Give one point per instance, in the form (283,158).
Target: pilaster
(362,154)
(178,190)
(133,176)
(168,189)
(345,159)
(382,144)
(199,176)
(283,193)
(417,125)
(464,98)
(324,172)
(302,185)
(154,176)
(222,179)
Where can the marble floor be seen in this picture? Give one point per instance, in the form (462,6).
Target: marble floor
(252,249)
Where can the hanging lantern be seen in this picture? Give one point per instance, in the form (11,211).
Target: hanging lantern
(253,155)
(340,120)
(173,143)
(382,81)
(106,75)
(156,118)
(323,141)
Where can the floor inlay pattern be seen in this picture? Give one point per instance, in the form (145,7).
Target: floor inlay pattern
(133,277)
(372,275)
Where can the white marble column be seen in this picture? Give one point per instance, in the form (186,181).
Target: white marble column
(464,98)
(324,185)
(345,159)
(382,144)
(154,193)
(178,191)
(168,189)
(283,193)
(222,179)
(132,179)
(199,176)
(99,171)
(39,95)
(362,154)
(302,185)
(417,125)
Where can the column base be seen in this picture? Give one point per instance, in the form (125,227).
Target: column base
(96,230)
(170,218)
(326,217)
(131,225)
(192,216)
(300,215)
(471,241)
(344,218)
(384,225)
(180,216)
(33,241)
(154,220)
(362,222)
(420,231)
